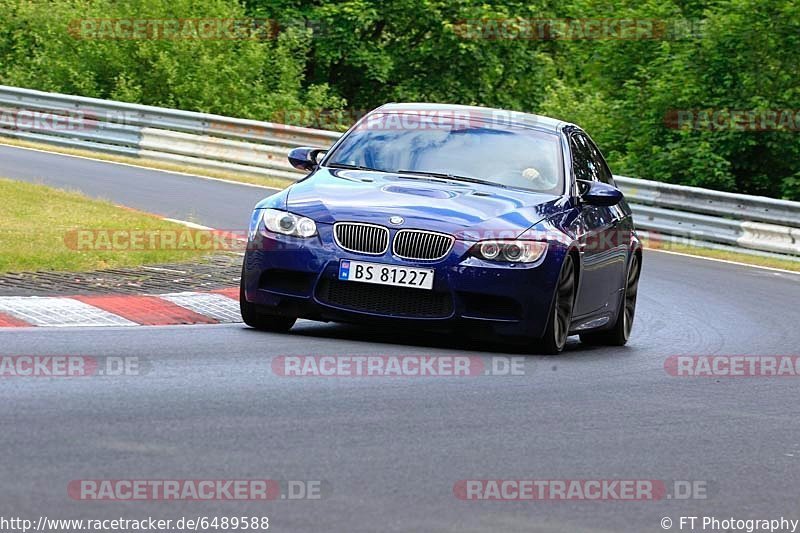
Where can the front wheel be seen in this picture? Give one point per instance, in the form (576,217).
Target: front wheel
(557,329)
(619,334)
(253,316)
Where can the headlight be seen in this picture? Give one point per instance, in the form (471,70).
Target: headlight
(287,223)
(510,251)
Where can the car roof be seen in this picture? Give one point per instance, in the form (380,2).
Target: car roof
(506,116)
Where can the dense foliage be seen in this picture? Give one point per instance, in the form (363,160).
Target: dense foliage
(737,55)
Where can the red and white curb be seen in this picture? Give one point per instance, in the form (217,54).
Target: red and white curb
(215,307)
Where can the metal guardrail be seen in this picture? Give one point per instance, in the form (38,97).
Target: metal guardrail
(181,137)
(750,224)
(698,200)
(729,220)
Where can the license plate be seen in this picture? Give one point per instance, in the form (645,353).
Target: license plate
(398,276)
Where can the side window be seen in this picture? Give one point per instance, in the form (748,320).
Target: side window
(583,165)
(603,173)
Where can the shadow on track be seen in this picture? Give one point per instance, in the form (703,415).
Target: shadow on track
(373,334)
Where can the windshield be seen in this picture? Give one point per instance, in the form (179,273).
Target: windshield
(501,154)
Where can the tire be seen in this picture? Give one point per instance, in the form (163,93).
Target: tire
(254,316)
(620,332)
(557,329)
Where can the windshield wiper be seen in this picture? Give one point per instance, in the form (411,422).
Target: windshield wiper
(353,167)
(454,177)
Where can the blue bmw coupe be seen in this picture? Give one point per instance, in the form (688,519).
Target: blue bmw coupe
(460,218)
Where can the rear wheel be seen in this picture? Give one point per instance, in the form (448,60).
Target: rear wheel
(557,329)
(619,334)
(254,316)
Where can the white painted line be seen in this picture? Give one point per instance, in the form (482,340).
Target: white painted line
(188,224)
(59,312)
(178,173)
(724,261)
(216,306)
(204,228)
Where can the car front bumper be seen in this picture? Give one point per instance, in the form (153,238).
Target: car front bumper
(298,277)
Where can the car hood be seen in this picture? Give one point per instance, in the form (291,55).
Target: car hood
(335,195)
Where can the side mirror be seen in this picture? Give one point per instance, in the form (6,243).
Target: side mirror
(598,193)
(305,158)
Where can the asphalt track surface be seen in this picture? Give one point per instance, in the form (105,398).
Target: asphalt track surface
(391,449)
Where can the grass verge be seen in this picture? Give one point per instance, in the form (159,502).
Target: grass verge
(39,228)
(724,255)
